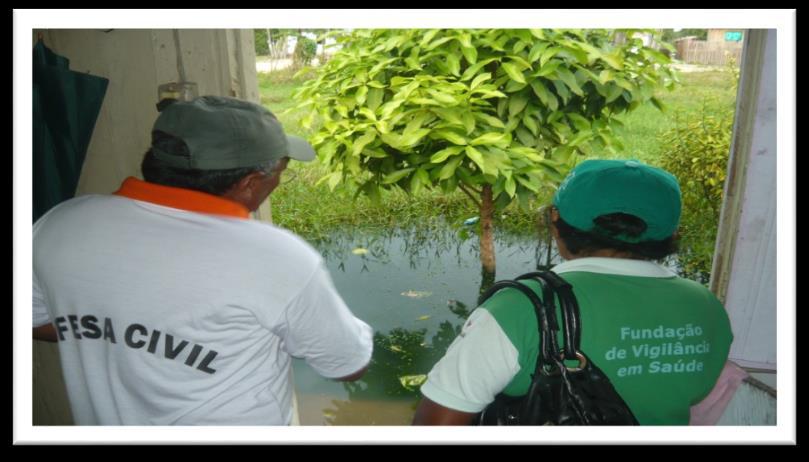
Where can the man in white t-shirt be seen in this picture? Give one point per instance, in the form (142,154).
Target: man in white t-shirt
(171,306)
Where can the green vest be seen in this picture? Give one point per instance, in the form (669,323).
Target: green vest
(661,341)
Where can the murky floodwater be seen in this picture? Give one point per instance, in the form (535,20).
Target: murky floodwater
(415,289)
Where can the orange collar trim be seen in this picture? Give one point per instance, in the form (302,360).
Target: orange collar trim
(179,198)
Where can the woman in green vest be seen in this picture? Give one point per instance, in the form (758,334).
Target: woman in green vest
(662,340)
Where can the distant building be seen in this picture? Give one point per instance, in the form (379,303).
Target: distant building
(721,45)
(725,35)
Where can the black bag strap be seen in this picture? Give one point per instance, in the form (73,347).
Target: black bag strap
(552,287)
(569,308)
(586,395)
(548,347)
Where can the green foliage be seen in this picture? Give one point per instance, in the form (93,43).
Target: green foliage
(447,109)
(262,46)
(670,35)
(313,211)
(262,39)
(305,51)
(696,151)
(732,67)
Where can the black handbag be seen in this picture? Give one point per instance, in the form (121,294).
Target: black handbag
(558,394)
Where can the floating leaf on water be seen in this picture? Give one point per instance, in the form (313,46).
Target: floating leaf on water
(423,318)
(411,382)
(359,251)
(416,293)
(396,348)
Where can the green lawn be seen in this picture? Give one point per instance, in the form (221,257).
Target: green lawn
(643,127)
(275,91)
(312,211)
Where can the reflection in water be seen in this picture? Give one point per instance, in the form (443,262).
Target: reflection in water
(327,410)
(399,354)
(359,412)
(415,288)
(421,248)
(486,279)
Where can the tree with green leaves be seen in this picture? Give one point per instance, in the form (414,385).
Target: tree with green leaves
(272,42)
(498,113)
(305,51)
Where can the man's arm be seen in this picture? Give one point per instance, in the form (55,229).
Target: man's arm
(355,375)
(431,413)
(45,332)
(321,329)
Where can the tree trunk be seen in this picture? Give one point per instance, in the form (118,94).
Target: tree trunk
(486,280)
(487,230)
(322,44)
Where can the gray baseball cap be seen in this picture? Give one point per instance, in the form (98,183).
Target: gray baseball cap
(224,133)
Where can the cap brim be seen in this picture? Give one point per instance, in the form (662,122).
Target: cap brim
(300,149)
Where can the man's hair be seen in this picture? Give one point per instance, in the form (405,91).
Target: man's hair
(216,182)
(603,236)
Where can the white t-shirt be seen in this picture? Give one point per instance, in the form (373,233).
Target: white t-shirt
(172,317)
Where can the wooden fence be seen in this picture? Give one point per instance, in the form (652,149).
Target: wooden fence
(710,53)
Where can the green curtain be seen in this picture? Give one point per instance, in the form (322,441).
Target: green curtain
(66,106)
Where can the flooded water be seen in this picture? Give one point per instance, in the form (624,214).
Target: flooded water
(415,288)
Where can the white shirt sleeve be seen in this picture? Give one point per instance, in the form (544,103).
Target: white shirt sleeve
(40,308)
(322,330)
(478,365)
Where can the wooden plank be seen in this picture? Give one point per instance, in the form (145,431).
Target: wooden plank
(744,271)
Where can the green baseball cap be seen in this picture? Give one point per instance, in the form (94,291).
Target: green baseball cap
(224,133)
(601,187)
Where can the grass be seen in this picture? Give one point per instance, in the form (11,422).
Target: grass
(275,92)
(643,127)
(315,211)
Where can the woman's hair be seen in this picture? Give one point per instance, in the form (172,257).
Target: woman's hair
(216,182)
(605,236)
